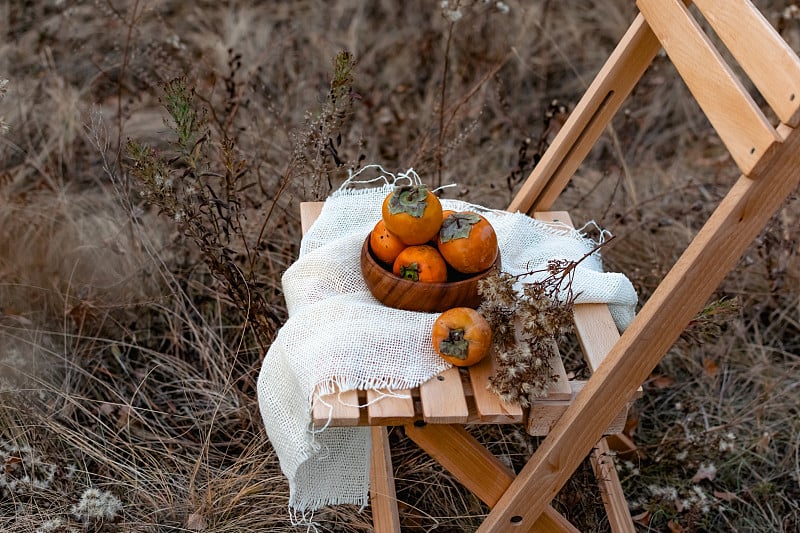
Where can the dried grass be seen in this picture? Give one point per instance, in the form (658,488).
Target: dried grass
(125,368)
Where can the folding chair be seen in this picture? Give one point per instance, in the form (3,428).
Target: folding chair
(576,415)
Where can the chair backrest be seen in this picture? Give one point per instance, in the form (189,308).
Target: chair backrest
(769,160)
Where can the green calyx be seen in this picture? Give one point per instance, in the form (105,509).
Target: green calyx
(410,199)
(458,226)
(410,272)
(455,345)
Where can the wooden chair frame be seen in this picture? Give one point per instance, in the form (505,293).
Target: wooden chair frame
(769,160)
(768,157)
(434,416)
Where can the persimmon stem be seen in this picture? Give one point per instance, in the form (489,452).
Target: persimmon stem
(410,272)
(458,226)
(455,345)
(409,199)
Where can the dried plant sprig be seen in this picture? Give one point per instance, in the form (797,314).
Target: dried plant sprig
(525,326)
(708,324)
(317,150)
(4,126)
(200,187)
(527,321)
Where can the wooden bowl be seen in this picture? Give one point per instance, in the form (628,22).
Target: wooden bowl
(400,293)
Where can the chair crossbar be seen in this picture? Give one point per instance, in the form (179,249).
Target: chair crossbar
(769,62)
(739,122)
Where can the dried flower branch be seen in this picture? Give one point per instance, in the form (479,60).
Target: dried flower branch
(200,187)
(708,324)
(527,321)
(201,182)
(318,154)
(3,90)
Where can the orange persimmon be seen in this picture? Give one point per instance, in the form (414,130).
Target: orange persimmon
(420,262)
(385,245)
(468,242)
(413,213)
(461,336)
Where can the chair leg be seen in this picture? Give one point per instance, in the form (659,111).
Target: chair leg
(478,470)
(619,516)
(383,498)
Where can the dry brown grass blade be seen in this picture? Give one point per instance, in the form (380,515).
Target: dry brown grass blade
(125,369)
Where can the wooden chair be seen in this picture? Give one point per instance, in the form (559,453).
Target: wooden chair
(576,415)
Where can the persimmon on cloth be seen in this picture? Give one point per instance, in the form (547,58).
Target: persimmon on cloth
(338,334)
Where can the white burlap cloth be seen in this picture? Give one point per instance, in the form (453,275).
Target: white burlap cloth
(339,334)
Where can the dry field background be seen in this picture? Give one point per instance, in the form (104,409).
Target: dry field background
(127,398)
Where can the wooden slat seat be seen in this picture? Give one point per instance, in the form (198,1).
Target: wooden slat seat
(461,396)
(397,408)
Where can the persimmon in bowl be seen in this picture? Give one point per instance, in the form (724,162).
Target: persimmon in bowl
(461,290)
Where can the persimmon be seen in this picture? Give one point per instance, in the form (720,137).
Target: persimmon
(461,336)
(413,213)
(420,262)
(385,245)
(468,242)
